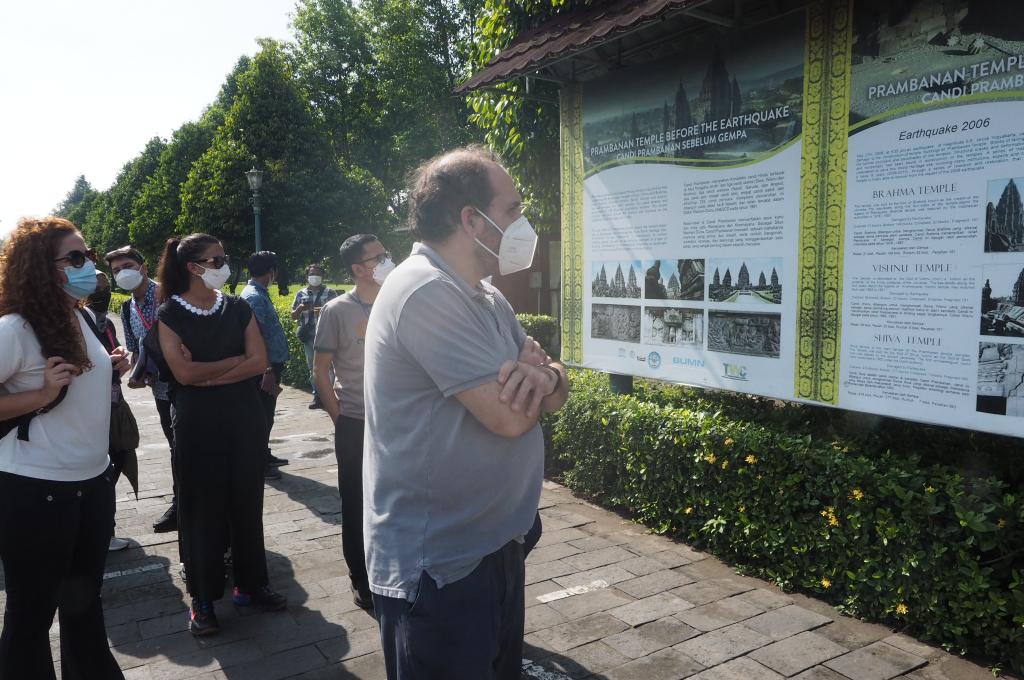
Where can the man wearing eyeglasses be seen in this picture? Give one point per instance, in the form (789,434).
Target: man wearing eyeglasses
(339,343)
(263,271)
(454,454)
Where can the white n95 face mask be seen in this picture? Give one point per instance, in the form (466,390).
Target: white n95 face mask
(216,278)
(315,280)
(128,279)
(381,271)
(518,245)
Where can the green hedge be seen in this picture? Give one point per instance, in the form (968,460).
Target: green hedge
(879,533)
(543,329)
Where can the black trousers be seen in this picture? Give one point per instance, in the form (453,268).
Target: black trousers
(165,408)
(348,449)
(53,543)
(269,401)
(471,629)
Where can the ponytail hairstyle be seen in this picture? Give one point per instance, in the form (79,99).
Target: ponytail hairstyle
(173,273)
(29,286)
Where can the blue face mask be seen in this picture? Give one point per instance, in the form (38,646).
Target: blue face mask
(81,280)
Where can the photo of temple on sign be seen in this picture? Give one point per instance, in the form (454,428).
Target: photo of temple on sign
(744,333)
(615,322)
(616,279)
(674,280)
(1004,216)
(673,326)
(1002,301)
(1001,379)
(746,281)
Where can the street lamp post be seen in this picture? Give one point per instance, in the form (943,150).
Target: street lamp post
(255,178)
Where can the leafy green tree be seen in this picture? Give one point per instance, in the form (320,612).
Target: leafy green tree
(78,202)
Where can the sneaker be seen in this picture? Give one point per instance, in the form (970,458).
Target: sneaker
(168,521)
(315,404)
(271,472)
(202,619)
(264,598)
(118,544)
(274,461)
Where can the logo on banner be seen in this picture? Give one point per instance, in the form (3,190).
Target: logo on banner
(654,360)
(688,361)
(735,371)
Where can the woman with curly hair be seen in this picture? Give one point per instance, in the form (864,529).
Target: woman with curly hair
(56,489)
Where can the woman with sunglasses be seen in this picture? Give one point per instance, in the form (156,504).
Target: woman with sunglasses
(213,347)
(56,488)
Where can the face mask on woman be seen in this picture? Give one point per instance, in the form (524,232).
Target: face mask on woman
(216,278)
(81,280)
(128,279)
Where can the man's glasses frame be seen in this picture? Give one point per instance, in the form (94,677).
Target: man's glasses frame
(386,255)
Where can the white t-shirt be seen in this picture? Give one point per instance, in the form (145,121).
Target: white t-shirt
(69,443)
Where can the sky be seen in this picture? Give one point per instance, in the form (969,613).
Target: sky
(85,84)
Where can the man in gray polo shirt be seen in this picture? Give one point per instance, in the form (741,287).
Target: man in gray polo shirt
(454,456)
(340,333)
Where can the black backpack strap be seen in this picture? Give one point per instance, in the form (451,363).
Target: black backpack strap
(91,323)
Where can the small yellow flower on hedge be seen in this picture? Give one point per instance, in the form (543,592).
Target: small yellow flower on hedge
(725,465)
(688,510)
(711,458)
(857,495)
(729,441)
(760,476)
(1001,523)
(833,521)
(751,459)
(929,489)
(902,609)
(743,508)
(826,583)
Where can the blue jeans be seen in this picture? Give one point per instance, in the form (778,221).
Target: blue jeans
(471,629)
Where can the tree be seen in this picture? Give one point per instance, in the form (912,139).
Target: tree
(78,202)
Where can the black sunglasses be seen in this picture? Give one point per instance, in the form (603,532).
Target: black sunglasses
(218,261)
(386,255)
(77,258)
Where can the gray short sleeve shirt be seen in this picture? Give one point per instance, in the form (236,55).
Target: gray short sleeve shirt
(440,491)
(341,332)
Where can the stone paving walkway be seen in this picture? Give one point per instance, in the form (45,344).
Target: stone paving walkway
(605,599)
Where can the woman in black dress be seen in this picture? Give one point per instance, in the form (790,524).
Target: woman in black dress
(213,348)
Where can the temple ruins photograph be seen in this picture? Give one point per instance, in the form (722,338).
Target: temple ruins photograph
(744,333)
(1001,379)
(674,280)
(615,322)
(1004,216)
(673,326)
(1002,300)
(616,279)
(746,280)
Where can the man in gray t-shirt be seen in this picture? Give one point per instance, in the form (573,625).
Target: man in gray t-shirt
(339,342)
(454,456)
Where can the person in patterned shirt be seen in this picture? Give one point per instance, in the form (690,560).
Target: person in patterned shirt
(306,310)
(138,313)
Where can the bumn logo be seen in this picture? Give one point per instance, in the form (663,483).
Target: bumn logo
(735,371)
(654,360)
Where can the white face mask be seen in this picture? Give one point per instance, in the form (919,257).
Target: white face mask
(381,271)
(216,278)
(128,279)
(518,244)
(315,281)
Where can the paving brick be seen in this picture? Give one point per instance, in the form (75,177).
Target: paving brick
(912,646)
(609,575)
(797,653)
(350,645)
(719,614)
(743,668)
(560,536)
(819,673)
(590,543)
(668,664)
(877,661)
(786,621)
(542,616)
(585,660)
(535,573)
(598,558)
(641,565)
(703,592)
(643,640)
(552,552)
(765,599)
(657,582)
(578,606)
(579,632)
(650,609)
(723,644)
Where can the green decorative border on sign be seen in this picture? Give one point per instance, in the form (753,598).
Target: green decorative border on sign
(571,161)
(823,195)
